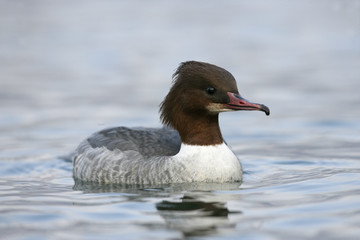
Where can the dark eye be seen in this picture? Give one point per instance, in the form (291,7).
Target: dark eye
(210,90)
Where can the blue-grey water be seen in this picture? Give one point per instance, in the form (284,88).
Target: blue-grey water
(69,68)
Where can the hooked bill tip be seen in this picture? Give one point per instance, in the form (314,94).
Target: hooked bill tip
(265,109)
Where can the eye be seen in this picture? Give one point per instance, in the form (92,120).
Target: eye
(210,90)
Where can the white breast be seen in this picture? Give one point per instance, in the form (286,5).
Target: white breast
(215,163)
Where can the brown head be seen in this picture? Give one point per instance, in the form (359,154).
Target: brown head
(200,91)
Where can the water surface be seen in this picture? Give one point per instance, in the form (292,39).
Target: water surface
(70,68)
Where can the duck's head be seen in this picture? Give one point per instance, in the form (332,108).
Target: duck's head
(200,91)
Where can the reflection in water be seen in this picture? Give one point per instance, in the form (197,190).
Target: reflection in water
(198,211)
(194,217)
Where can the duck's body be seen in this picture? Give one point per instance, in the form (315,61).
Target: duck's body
(194,152)
(123,155)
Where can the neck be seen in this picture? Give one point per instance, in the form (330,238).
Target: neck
(200,129)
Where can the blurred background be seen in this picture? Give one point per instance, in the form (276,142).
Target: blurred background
(68,68)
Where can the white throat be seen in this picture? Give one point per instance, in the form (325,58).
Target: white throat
(209,163)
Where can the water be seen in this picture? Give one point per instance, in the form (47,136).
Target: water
(69,68)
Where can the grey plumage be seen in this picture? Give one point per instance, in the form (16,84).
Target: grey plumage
(127,155)
(148,142)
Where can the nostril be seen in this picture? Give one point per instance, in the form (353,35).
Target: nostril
(242,102)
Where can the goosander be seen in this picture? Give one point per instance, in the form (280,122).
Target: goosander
(190,148)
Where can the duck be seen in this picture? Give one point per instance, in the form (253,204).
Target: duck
(189,148)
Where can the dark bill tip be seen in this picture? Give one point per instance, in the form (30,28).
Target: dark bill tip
(265,109)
